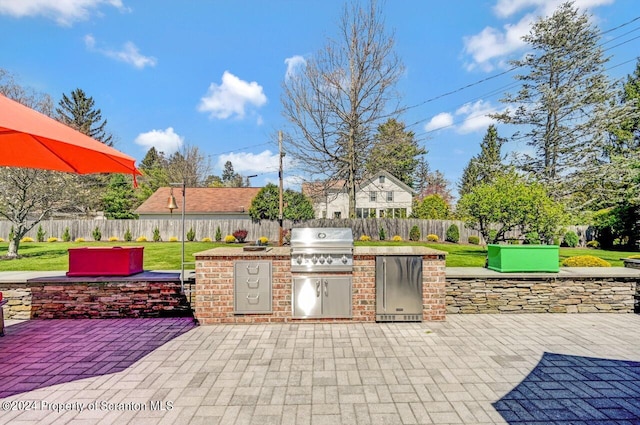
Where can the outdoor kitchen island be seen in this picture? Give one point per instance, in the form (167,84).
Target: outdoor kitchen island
(234,285)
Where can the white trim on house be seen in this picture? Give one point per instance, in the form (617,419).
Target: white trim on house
(381,195)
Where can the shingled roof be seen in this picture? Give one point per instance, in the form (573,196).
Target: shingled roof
(199,200)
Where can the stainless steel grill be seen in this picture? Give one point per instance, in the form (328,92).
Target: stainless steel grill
(318,249)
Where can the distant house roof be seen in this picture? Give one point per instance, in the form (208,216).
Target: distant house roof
(321,188)
(201,200)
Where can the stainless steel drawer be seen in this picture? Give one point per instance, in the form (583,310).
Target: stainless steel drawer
(252,287)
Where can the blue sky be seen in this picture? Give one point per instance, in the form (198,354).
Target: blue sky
(208,73)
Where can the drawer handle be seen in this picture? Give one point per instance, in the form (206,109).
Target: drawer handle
(253,300)
(253,270)
(253,284)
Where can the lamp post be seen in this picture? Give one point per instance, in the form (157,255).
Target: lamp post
(172,205)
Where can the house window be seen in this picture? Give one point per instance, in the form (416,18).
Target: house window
(389,196)
(324,214)
(336,214)
(372,212)
(373,196)
(362,212)
(381,214)
(381,179)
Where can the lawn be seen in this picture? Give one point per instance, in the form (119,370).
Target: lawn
(47,256)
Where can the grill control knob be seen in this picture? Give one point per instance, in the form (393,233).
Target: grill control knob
(329,260)
(344,259)
(321,260)
(314,259)
(299,259)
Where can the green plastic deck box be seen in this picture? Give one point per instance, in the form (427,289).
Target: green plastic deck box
(523,258)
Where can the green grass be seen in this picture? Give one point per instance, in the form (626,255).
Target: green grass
(463,255)
(48,256)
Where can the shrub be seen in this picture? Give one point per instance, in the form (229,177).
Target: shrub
(156,235)
(66,236)
(240,235)
(79,240)
(97,234)
(397,238)
(127,236)
(1,240)
(218,234)
(26,239)
(414,234)
(532,238)
(513,242)
(263,240)
(585,261)
(636,256)
(141,239)
(191,235)
(52,239)
(229,239)
(173,239)
(113,239)
(381,234)
(570,239)
(432,238)
(41,234)
(593,244)
(206,240)
(474,240)
(453,234)
(365,238)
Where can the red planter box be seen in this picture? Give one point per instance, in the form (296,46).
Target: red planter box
(98,261)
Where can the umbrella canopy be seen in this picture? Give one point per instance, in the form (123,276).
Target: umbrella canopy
(29,139)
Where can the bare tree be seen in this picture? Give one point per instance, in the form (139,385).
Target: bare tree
(336,102)
(189,165)
(28,195)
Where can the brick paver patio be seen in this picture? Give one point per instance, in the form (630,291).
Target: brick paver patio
(473,369)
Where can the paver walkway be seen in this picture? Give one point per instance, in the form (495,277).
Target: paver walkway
(469,369)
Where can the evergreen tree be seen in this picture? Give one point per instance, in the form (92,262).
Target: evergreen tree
(265,205)
(564,105)
(119,198)
(396,151)
(229,177)
(78,111)
(484,167)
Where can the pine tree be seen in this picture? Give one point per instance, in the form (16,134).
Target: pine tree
(484,167)
(564,105)
(79,112)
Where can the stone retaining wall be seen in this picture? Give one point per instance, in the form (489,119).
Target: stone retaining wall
(540,295)
(111,299)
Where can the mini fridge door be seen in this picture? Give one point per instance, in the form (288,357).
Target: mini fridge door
(399,288)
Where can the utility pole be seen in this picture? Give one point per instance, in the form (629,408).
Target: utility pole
(280,203)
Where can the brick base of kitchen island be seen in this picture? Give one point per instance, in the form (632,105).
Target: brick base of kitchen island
(214,290)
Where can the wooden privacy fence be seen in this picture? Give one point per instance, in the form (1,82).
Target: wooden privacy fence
(207,228)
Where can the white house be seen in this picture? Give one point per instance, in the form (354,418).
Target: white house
(381,195)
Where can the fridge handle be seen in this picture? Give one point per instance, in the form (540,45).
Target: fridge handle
(384,284)
(326,291)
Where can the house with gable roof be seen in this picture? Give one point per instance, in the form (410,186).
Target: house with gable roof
(377,196)
(201,203)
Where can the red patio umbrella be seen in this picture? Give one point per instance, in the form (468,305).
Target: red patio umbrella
(29,139)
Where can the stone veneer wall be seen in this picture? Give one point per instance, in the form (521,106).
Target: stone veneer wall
(214,299)
(70,300)
(540,295)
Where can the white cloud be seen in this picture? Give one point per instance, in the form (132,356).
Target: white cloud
(166,141)
(231,97)
(294,63)
(128,54)
(475,117)
(250,163)
(64,12)
(471,117)
(491,46)
(440,121)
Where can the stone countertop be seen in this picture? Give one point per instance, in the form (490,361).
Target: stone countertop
(286,251)
(396,250)
(270,251)
(565,273)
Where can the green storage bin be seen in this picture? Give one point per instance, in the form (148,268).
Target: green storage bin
(523,258)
